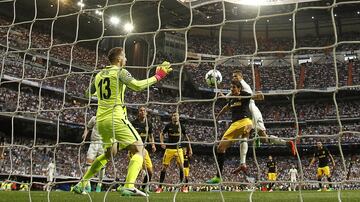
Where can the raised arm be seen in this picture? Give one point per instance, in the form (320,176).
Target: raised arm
(152,142)
(162,140)
(245,86)
(189,146)
(223,110)
(332,159)
(312,161)
(139,85)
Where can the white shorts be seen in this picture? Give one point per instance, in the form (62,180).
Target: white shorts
(95,149)
(50,177)
(293,179)
(257,117)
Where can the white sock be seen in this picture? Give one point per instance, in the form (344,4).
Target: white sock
(276,140)
(243,151)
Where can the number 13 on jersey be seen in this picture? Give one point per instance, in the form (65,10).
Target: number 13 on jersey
(104,87)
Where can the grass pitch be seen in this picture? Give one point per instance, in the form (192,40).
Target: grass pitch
(277,196)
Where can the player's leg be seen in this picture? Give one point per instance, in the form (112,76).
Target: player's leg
(135,163)
(149,170)
(244,133)
(180,162)
(50,179)
(129,139)
(244,145)
(186,176)
(328,176)
(319,175)
(99,162)
(293,180)
(235,130)
(101,174)
(276,140)
(168,156)
(260,128)
(90,157)
(272,178)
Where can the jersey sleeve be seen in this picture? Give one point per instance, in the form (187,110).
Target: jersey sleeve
(246,87)
(91,123)
(125,76)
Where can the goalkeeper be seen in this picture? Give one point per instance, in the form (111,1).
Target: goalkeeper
(112,121)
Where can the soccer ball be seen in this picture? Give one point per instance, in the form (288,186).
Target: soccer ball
(212,77)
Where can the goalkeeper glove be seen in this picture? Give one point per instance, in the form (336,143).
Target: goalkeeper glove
(162,70)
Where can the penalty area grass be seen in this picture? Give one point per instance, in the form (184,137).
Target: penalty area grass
(276,196)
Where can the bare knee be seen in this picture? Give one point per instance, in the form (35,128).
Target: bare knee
(150,170)
(111,151)
(222,148)
(137,148)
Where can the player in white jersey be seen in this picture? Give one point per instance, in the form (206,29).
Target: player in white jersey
(258,122)
(50,172)
(293,176)
(95,149)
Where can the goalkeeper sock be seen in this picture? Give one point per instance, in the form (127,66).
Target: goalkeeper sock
(220,160)
(320,185)
(181,175)
(101,175)
(147,179)
(99,163)
(276,140)
(329,180)
(134,168)
(162,177)
(243,151)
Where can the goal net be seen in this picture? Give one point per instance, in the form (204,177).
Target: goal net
(301,55)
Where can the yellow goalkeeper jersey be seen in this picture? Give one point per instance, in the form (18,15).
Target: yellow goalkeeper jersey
(110,84)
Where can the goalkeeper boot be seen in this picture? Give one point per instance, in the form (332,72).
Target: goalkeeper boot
(214,180)
(330,189)
(146,189)
(88,187)
(78,189)
(132,192)
(98,187)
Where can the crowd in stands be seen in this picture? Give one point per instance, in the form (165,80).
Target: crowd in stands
(276,77)
(72,111)
(26,157)
(39,42)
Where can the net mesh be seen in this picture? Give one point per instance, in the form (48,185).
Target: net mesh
(45,72)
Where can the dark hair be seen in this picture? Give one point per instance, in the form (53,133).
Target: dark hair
(236,83)
(237,72)
(114,53)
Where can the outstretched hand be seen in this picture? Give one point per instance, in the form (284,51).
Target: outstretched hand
(163,70)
